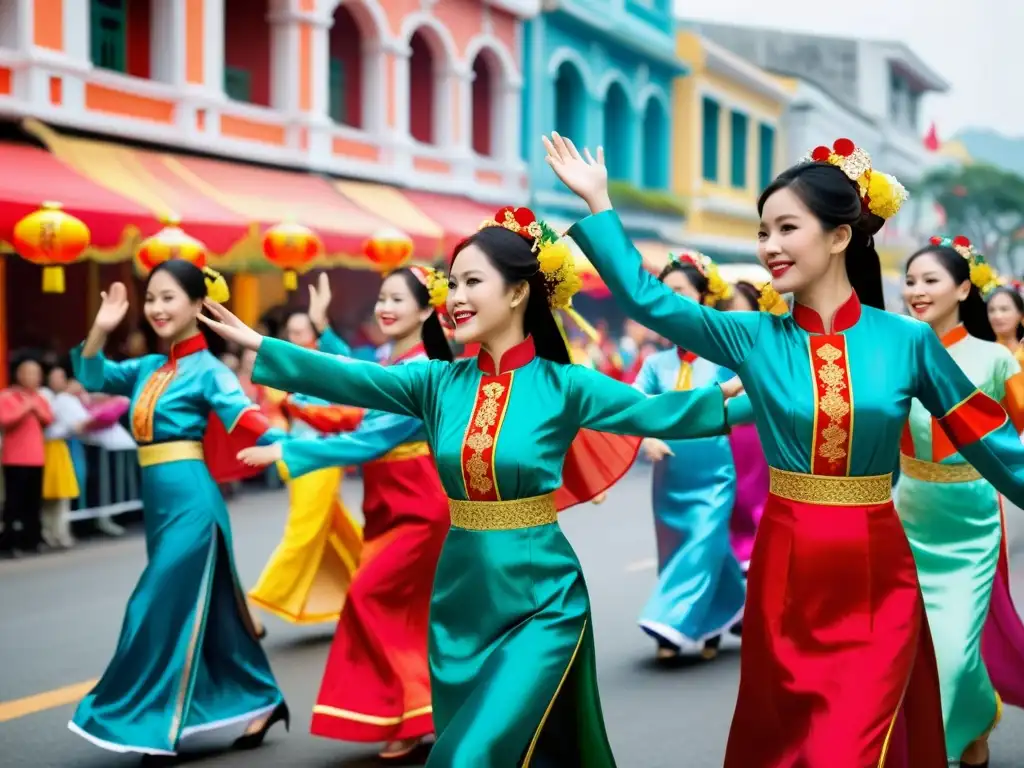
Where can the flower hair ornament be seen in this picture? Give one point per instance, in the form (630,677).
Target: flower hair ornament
(718,288)
(216,286)
(880,193)
(436,283)
(561,282)
(982,274)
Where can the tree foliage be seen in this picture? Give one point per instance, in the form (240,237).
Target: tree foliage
(986,204)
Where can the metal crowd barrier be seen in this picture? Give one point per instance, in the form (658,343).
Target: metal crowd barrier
(112,484)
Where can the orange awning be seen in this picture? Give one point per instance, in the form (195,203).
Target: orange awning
(394,206)
(30,176)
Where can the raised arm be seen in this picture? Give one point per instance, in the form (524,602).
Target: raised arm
(975,423)
(98,374)
(403,389)
(607,405)
(333,344)
(378,434)
(725,338)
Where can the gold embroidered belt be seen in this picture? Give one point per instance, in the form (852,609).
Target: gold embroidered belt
(165,453)
(839,491)
(932,472)
(404,452)
(503,515)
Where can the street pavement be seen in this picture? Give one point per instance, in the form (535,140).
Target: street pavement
(61,614)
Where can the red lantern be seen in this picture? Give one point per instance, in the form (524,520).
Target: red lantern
(388,249)
(171,242)
(51,238)
(290,247)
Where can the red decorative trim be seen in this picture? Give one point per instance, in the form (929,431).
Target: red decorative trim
(833,405)
(686,357)
(521,354)
(145,404)
(419,349)
(845,318)
(481,438)
(325,418)
(973,419)
(251,423)
(189,346)
(952,337)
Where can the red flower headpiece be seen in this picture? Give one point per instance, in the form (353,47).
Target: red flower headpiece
(522,221)
(880,193)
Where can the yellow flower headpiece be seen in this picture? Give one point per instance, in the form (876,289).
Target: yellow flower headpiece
(216,286)
(561,281)
(982,274)
(880,193)
(718,288)
(436,283)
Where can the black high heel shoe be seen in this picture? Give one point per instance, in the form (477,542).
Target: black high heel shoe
(255,739)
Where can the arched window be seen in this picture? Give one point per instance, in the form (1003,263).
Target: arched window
(247,51)
(346,77)
(486,102)
(656,148)
(618,132)
(570,103)
(425,64)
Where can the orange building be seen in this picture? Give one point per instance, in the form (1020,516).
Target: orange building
(360,114)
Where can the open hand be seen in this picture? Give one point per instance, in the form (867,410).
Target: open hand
(260,455)
(112,309)
(320,302)
(584,175)
(655,450)
(229,327)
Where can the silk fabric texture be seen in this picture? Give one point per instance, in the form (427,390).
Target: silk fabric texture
(955,532)
(511,645)
(700,589)
(188,670)
(376,684)
(835,638)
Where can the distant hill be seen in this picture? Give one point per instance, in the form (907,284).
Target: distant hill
(987,146)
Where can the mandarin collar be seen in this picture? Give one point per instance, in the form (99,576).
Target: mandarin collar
(516,357)
(845,318)
(952,336)
(187,347)
(419,349)
(685,356)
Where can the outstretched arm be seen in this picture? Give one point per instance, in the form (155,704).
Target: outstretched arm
(379,434)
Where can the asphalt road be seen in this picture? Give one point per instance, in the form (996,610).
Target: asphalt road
(61,614)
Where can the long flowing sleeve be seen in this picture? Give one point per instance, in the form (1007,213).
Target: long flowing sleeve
(402,389)
(725,338)
(331,343)
(607,405)
(98,374)
(378,434)
(975,423)
(240,416)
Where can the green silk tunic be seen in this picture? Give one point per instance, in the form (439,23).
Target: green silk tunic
(511,641)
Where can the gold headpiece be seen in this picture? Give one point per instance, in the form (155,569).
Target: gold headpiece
(216,286)
(436,283)
(718,288)
(880,193)
(982,274)
(561,280)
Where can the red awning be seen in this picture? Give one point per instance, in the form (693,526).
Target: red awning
(458,217)
(30,176)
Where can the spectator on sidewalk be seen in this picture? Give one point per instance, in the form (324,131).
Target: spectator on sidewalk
(24,413)
(60,481)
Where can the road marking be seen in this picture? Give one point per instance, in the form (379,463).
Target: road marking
(69,694)
(642,565)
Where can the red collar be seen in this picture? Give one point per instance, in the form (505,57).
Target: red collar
(953,336)
(189,346)
(419,349)
(686,357)
(845,318)
(521,354)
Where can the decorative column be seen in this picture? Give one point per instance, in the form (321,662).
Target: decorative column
(396,64)
(213,45)
(456,136)
(169,44)
(507,134)
(285,68)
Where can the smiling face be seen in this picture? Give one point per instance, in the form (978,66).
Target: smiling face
(168,308)
(681,285)
(1003,315)
(479,300)
(792,244)
(397,311)
(930,292)
(299,330)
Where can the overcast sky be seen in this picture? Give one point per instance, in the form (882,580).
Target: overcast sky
(977,46)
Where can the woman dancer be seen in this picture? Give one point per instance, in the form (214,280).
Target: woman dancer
(748,458)
(376,686)
(952,517)
(307,577)
(700,590)
(1006,316)
(511,643)
(188,665)
(835,637)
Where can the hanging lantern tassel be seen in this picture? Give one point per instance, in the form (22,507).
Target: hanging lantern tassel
(51,238)
(291,280)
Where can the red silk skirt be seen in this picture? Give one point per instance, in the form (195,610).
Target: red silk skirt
(376,686)
(837,669)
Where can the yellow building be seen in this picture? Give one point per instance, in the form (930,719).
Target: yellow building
(728,117)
